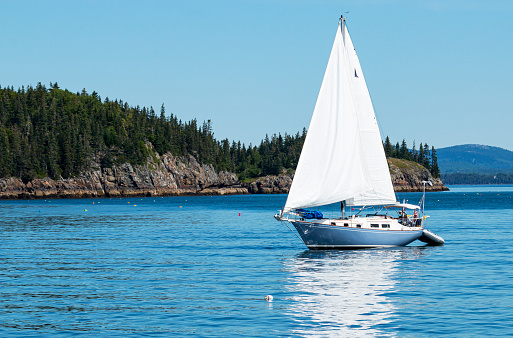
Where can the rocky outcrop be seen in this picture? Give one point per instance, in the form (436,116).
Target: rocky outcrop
(171,176)
(270,185)
(407,176)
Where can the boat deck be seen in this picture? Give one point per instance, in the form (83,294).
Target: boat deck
(382,222)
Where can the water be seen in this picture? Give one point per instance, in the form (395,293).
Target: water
(191,266)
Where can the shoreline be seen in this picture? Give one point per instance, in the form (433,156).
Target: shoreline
(225,191)
(167,175)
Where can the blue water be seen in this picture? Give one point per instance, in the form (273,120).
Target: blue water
(191,266)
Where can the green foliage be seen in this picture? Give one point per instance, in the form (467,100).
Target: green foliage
(56,133)
(389,149)
(52,132)
(425,157)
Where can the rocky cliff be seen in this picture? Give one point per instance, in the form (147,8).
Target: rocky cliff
(171,176)
(407,176)
(167,176)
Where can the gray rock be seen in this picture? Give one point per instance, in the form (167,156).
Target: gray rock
(170,176)
(183,176)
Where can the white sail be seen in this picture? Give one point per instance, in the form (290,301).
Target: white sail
(331,167)
(342,157)
(382,190)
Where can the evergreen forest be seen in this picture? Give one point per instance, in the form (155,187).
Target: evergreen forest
(52,132)
(425,155)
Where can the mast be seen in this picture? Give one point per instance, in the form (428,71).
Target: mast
(342,23)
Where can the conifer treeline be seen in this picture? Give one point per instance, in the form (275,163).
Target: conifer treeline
(424,156)
(56,133)
(50,132)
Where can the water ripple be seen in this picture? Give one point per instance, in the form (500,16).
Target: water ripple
(191,266)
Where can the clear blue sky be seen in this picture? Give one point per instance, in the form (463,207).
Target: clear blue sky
(439,71)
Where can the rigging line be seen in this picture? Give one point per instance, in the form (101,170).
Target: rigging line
(381,133)
(370,96)
(292,231)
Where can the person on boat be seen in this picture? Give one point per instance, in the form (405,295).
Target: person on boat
(402,216)
(416,220)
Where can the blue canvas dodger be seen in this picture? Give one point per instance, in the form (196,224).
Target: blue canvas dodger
(309,214)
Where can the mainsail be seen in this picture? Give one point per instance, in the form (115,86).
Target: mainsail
(343,156)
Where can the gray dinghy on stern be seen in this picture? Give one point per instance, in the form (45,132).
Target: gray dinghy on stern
(431,238)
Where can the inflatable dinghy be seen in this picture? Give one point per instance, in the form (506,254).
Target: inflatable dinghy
(431,238)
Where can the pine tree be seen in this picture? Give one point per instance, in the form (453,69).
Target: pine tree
(421,154)
(388,147)
(435,171)
(426,161)
(403,151)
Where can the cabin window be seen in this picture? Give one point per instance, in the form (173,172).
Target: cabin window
(346,224)
(374,225)
(385,225)
(358,225)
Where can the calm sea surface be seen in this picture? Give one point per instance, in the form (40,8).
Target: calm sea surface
(191,266)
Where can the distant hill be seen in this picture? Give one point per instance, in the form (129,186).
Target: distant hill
(475,158)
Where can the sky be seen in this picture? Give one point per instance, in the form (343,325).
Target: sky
(439,71)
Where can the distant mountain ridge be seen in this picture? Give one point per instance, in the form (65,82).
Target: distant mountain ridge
(475,158)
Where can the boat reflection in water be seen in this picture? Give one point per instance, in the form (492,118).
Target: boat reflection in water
(344,293)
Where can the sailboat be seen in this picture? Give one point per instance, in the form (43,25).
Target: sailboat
(343,160)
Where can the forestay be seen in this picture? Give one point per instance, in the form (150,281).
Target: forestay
(342,157)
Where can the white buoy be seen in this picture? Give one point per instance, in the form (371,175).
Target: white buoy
(269,298)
